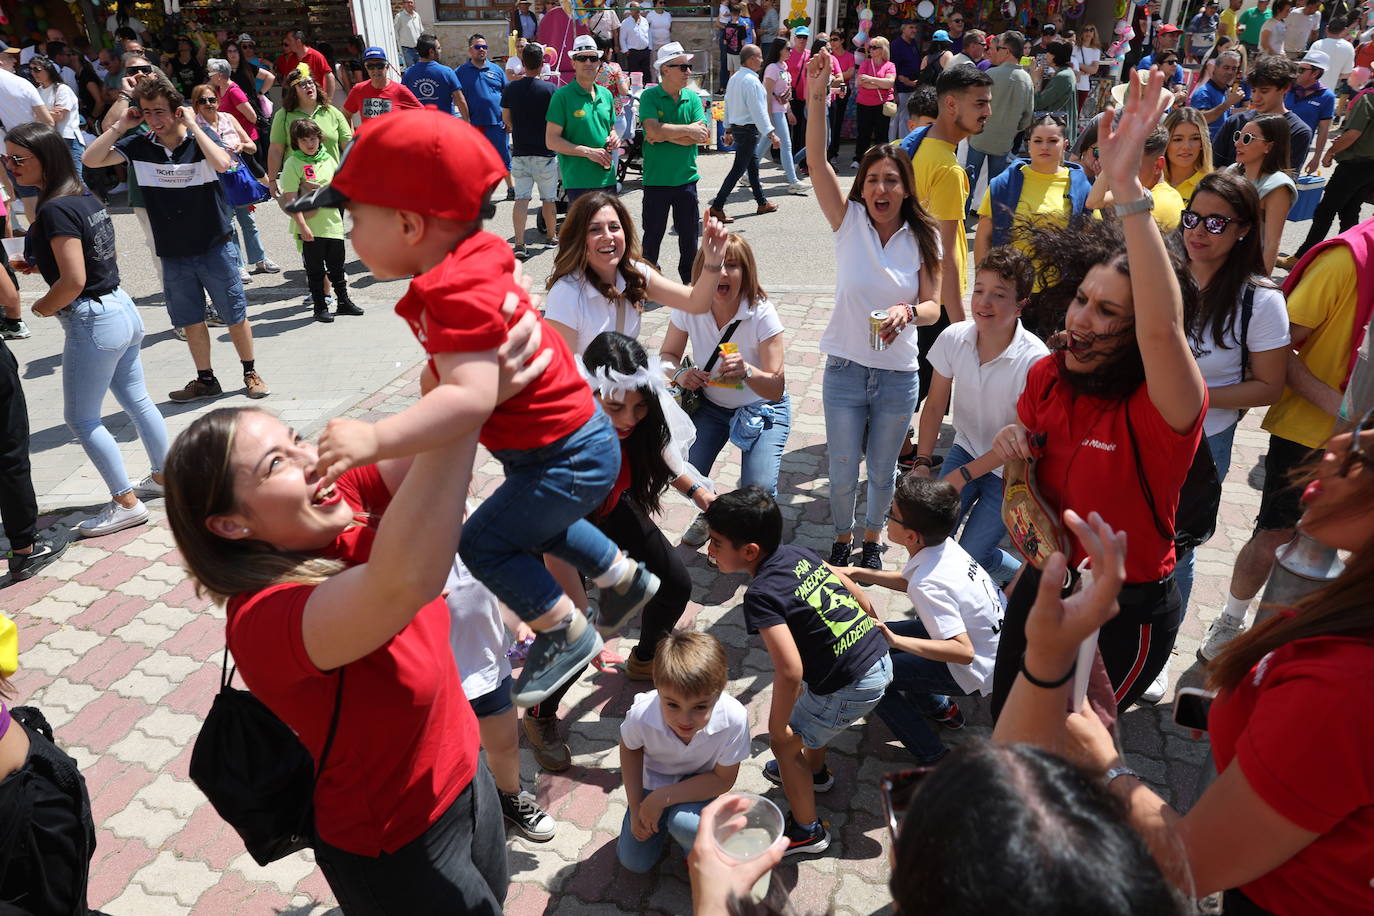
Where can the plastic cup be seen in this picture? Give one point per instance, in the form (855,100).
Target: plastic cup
(14,249)
(746,835)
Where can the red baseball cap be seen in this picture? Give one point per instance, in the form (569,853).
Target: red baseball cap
(1169,29)
(421,160)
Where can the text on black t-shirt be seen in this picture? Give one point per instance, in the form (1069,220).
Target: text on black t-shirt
(79,217)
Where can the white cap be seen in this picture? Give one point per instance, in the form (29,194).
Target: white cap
(585,43)
(670,52)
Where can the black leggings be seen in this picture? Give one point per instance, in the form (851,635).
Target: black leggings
(18,505)
(643,541)
(870,129)
(325,256)
(1135,644)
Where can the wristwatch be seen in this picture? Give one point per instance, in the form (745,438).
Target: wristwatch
(1114,772)
(963,472)
(748,371)
(1145,202)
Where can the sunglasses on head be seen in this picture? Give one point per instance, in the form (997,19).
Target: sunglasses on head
(1214,224)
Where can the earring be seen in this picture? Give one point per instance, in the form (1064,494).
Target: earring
(245,530)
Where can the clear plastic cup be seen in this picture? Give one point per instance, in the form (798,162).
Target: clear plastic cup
(14,249)
(746,835)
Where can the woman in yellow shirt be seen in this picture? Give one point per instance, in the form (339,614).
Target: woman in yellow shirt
(1188,156)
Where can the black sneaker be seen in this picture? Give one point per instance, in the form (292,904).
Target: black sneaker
(953,719)
(805,842)
(524,814)
(617,607)
(27,565)
(823,781)
(521,254)
(872,557)
(347,307)
(197,389)
(840,552)
(322,314)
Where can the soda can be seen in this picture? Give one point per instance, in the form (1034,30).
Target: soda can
(875,335)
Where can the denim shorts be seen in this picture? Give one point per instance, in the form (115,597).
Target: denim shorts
(493,702)
(187,280)
(529,171)
(818,719)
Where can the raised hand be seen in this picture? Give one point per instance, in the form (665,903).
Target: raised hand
(1121,142)
(714,235)
(1056,626)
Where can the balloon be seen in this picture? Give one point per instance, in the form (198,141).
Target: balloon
(1359,76)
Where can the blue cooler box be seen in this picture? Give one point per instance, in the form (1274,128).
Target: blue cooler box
(1310,189)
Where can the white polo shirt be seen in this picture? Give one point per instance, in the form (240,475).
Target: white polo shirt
(574,302)
(18,97)
(870,276)
(985,394)
(953,594)
(757,324)
(723,742)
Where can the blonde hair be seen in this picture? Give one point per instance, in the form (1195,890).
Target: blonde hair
(690,663)
(880,43)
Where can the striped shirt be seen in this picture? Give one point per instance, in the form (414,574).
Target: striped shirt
(181,190)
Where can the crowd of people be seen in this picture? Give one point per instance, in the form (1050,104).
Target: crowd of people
(1123,306)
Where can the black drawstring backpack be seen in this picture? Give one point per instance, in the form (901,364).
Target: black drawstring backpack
(257,774)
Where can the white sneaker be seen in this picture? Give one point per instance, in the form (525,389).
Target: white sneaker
(1155,692)
(798,188)
(1224,629)
(267,266)
(148,487)
(112,518)
(697,532)
(854,164)
(244,275)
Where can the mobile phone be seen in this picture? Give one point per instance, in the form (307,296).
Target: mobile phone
(1191,705)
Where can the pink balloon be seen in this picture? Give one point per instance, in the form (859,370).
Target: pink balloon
(1359,76)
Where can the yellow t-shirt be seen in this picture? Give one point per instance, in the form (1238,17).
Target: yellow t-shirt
(1226,25)
(942,189)
(1042,197)
(1168,206)
(1187,186)
(1324,300)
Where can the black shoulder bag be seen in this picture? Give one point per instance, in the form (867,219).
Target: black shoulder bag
(255,771)
(1199,499)
(690,399)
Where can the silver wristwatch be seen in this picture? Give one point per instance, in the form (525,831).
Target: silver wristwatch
(1145,202)
(1114,772)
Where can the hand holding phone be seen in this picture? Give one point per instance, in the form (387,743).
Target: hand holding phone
(1191,707)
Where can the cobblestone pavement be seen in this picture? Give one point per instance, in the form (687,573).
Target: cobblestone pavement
(124,658)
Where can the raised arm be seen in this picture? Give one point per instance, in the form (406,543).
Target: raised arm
(824,181)
(697,297)
(1171,374)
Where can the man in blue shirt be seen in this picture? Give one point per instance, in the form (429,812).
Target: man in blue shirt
(1166,39)
(1221,93)
(1270,79)
(482,83)
(906,57)
(1202,31)
(434,84)
(1313,102)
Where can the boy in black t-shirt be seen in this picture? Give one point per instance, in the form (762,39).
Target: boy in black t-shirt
(830,660)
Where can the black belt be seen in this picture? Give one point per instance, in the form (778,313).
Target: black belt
(742,127)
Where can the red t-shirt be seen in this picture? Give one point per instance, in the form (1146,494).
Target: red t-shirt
(1088,464)
(373,102)
(1301,728)
(319,67)
(407,741)
(622,483)
(455,307)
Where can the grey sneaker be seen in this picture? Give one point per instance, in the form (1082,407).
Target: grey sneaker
(554,660)
(697,532)
(27,565)
(212,319)
(148,487)
(1224,629)
(525,815)
(619,606)
(112,518)
(14,329)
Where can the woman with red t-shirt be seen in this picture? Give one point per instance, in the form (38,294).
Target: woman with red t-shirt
(1114,417)
(322,584)
(1287,828)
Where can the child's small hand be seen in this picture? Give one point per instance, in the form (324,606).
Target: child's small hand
(307,235)
(345,444)
(650,812)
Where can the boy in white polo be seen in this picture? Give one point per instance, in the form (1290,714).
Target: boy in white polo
(949,649)
(681,745)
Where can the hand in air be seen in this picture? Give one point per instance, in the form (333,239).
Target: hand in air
(1122,144)
(1056,626)
(714,236)
(345,444)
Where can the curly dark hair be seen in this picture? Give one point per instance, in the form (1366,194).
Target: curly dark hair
(1012,265)
(1063,256)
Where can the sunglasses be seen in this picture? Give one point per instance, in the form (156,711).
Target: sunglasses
(685,68)
(208,100)
(139,70)
(375,65)
(586,58)
(13,161)
(1214,224)
(304,84)
(1244,139)
(479,47)
(1307,69)
(897,789)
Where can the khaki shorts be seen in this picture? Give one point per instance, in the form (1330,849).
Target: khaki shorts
(528,171)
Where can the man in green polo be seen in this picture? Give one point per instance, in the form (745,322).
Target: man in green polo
(675,125)
(579,129)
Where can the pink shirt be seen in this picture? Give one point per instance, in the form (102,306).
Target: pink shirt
(796,65)
(229,101)
(886,70)
(782,87)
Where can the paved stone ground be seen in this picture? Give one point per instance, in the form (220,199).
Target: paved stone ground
(124,658)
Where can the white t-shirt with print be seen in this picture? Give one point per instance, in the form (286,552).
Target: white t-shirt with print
(985,394)
(953,594)
(870,276)
(757,324)
(574,302)
(1221,365)
(477,634)
(724,741)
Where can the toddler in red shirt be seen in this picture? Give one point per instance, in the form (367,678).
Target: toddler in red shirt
(559,451)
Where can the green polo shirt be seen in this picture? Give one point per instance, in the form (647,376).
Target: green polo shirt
(1251,22)
(670,164)
(586,121)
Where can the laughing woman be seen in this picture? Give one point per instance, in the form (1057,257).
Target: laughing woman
(887,255)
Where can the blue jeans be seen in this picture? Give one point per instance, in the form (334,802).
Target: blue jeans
(746,162)
(540,508)
(973,164)
(76,147)
(1220,447)
(678,821)
(411,57)
(101,354)
(784,132)
(186,280)
(760,464)
(818,719)
(883,400)
(981,502)
(921,687)
(251,250)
